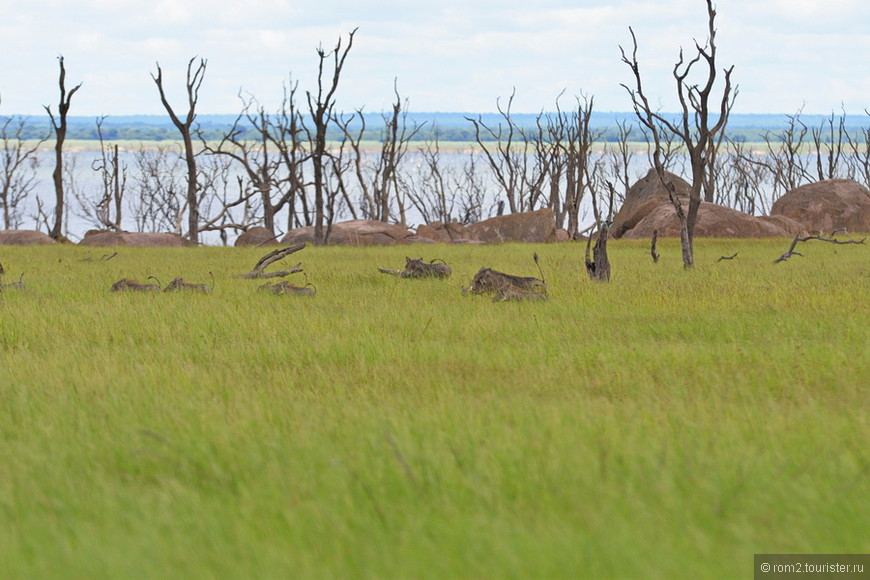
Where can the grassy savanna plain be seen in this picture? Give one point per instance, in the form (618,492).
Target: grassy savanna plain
(669,424)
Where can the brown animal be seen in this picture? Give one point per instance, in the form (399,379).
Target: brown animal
(130,285)
(285,287)
(179,285)
(488,281)
(417,268)
(510,293)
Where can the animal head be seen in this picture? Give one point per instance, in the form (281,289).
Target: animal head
(176,284)
(120,285)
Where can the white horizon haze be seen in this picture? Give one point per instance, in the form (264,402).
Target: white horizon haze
(450,56)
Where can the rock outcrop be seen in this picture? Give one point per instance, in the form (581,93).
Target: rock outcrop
(23,238)
(354,233)
(714,221)
(826,206)
(257,236)
(528,227)
(152,240)
(646,195)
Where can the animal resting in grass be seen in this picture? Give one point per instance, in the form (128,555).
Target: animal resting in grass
(417,268)
(508,287)
(284,287)
(130,285)
(179,285)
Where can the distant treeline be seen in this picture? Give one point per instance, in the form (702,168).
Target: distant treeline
(445,126)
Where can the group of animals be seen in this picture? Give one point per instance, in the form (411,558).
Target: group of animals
(503,287)
(181,285)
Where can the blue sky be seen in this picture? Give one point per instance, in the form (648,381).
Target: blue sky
(448,55)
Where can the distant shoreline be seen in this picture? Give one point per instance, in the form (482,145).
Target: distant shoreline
(447,127)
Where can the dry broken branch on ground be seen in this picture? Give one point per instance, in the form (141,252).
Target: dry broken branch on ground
(259,270)
(797,239)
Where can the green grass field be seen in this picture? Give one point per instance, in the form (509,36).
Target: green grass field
(669,424)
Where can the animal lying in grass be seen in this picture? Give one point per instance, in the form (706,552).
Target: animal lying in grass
(417,268)
(507,286)
(285,287)
(179,285)
(131,285)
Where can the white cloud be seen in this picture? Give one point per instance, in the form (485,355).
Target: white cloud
(449,55)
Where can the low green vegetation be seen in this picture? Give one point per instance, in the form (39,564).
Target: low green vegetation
(669,424)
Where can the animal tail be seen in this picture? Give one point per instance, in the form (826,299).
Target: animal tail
(538,264)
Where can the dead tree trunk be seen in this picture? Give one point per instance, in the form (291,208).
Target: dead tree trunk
(194,81)
(113,182)
(397,134)
(598,264)
(60,127)
(286,135)
(320,106)
(692,128)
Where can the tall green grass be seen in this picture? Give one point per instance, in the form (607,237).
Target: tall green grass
(668,424)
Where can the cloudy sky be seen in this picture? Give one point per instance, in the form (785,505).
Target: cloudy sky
(448,55)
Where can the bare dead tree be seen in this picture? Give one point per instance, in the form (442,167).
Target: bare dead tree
(287,135)
(741,180)
(473,191)
(427,183)
(693,129)
(216,200)
(598,262)
(668,148)
(18,169)
(335,184)
(378,175)
(41,217)
(185,128)
(320,107)
(59,125)
(829,140)
(394,145)
(549,154)
(785,160)
(509,157)
(575,149)
(353,139)
(858,161)
(113,182)
(619,159)
(159,201)
(253,155)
